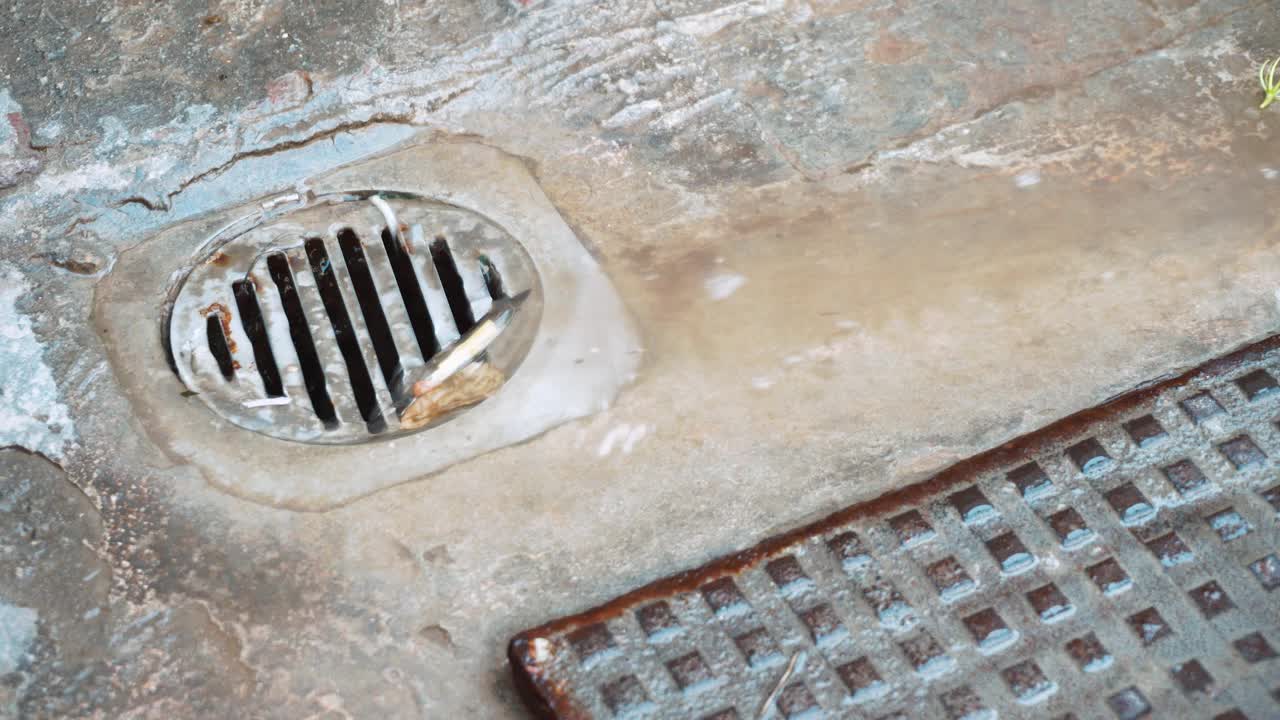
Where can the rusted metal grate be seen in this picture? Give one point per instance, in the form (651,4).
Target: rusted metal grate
(1123,562)
(307,325)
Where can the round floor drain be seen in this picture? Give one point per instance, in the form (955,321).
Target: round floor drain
(313,324)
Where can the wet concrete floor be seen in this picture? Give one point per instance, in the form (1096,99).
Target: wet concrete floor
(860,240)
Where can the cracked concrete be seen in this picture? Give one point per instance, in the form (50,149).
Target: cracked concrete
(240,155)
(862,239)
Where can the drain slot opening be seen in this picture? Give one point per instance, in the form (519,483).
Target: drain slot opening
(251,320)
(218,345)
(343,331)
(414,301)
(492,278)
(312,370)
(451,281)
(384,344)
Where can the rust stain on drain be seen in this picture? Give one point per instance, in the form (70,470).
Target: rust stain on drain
(985,587)
(224,317)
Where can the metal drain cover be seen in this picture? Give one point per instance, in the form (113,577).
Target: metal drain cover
(475,225)
(306,325)
(1121,563)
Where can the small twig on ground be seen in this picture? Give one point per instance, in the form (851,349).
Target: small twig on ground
(766,708)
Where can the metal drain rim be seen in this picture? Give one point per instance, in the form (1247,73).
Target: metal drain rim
(586,349)
(262,416)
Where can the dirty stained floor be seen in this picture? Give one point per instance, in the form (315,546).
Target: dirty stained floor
(861,239)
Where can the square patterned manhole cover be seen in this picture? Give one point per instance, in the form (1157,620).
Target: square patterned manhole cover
(1121,563)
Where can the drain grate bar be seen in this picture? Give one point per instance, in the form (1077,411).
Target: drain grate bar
(433,291)
(348,294)
(280,339)
(246,295)
(375,320)
(411,294)
(393,304)
(303,344)
(1121,563)
(344,334)
(337,378)
(451,281)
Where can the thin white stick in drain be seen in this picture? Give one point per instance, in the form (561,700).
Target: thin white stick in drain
(264,402)
(766,707)
(470,347)
(388,216)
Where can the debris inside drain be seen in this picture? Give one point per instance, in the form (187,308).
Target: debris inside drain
(302,328)
(468,386)
(461,375)
(1122,562)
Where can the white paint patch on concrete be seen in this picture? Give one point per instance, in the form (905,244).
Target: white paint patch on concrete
(674,118)
(1270,173)
(721,285)
(7,103)
(264,402)
(17,632)
(31,414)
(633,113)
(95,176)
(624,437)
(635,436)
(613,437)
(1027,178)
(709,23)
(8,135)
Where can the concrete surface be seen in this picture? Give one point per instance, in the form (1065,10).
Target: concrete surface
(861,239)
